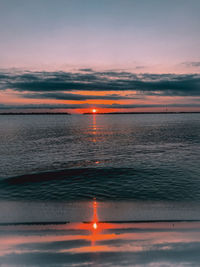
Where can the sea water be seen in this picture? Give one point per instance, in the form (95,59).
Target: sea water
(143,157)
(100,190)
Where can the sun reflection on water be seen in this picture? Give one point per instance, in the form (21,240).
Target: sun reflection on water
(101,238)
(94,225)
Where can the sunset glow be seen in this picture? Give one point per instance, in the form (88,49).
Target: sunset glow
(73,71)
(99,133)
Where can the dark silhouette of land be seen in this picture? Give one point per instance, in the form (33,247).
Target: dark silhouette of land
(35,113)
(98,113)
(135,113)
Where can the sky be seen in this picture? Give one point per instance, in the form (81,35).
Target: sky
(113,55)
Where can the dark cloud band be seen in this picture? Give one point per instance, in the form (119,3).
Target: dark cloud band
(148,84)
(75,97)
(80,106)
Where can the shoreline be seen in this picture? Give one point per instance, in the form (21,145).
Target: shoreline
(49,212)
(101,244)
(137,113)
(98,113)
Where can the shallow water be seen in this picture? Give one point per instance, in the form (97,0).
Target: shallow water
(117,190)
(109,157)
(26,212)
(97,243)
(150,244)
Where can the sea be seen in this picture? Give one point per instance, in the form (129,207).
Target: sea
(107,157)
(100,190)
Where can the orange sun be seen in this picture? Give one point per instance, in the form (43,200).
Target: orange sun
(94,110)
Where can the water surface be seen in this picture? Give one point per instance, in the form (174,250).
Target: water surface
(109,157)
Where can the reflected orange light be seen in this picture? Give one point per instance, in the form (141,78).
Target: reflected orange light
(95,225)
(96,230)
(95,218)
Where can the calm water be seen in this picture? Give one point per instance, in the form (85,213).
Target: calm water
(109,157)
(113,245)
(142,170)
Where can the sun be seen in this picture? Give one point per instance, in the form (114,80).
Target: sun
(94,110)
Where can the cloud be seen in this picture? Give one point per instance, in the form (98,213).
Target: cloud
(148,84)
(87,70)
(139,67)
(192,63)
(80,106)
(79,97)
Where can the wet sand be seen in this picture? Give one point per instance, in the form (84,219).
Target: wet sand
(92,242)
(101,244)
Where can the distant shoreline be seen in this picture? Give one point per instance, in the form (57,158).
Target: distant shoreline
(135,113)
(99,113)
(35,113)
